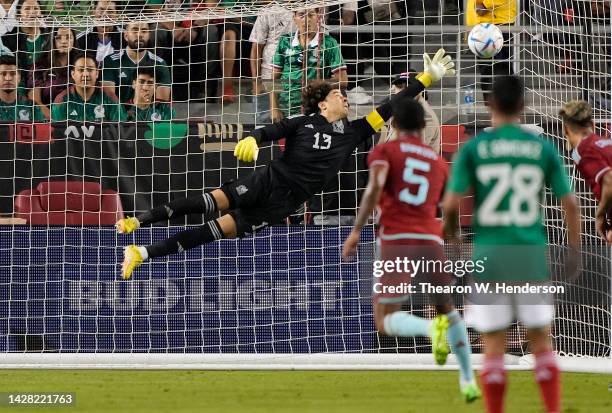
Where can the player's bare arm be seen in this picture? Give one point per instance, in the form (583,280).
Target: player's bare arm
(605,204)
(371,196)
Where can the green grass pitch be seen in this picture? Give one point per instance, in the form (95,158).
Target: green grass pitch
(290,391)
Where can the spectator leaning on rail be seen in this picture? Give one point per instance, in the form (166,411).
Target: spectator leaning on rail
(306,54)
(269,27)
(501,13)
(431,133)
(105,39)
(119,69)
(14,105)
(144,107)
(85,101)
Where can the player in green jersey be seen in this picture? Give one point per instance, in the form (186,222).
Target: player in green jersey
(119,69)
(507,170)
(85,101)
(14,106)
(323,61)
(144,107)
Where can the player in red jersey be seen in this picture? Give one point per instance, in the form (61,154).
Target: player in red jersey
(407,180)
(593,157)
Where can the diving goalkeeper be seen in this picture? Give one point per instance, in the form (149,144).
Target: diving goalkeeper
(317,144)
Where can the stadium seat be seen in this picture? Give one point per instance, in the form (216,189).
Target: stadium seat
(68,203)
(452,137)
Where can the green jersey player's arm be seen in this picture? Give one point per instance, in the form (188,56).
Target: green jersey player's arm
(558,182)
(460,183)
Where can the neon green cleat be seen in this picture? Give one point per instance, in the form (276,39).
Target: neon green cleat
(437,333)
(470,392)
(131,260)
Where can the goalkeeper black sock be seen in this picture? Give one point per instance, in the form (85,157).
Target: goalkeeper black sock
(184,240)
(205,204)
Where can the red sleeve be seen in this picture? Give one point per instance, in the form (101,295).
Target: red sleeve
(593,165)
(378,156)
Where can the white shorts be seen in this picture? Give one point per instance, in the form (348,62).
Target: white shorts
(507,308)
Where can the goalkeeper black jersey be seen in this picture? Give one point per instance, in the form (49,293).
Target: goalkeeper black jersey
(315,149)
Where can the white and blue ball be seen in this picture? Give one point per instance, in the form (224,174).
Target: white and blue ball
(486,40)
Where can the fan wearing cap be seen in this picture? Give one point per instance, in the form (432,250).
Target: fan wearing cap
(593,157)
(431,133)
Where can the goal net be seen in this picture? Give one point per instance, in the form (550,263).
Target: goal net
(175,85)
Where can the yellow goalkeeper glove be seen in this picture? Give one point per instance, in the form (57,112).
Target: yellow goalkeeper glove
(247,150)
(127,225)
(441,65)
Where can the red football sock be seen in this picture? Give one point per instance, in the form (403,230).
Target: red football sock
(493,380)
(548,377)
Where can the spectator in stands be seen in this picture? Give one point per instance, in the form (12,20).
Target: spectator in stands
(431,133)
(53,71)
(191,48)
(14,105)
(85,101)
(231,32)
(324,61)
(29,40)
(143,106)
(268,29)
(499,12)
(119,69)
(105,39)
(387,51)
(8,16)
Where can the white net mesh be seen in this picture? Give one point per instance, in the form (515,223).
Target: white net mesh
(283,290)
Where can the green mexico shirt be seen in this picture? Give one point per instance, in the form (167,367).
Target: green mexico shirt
(508,169)
(120,69)
(288,59)
(23,110)
(69,105)
(156,111)
(33,49)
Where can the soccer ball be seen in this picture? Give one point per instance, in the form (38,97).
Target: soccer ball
(485,40)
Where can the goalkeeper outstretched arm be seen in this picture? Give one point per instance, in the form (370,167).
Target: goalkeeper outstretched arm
(441,65)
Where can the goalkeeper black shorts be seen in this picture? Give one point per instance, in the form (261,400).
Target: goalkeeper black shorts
(259,200)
